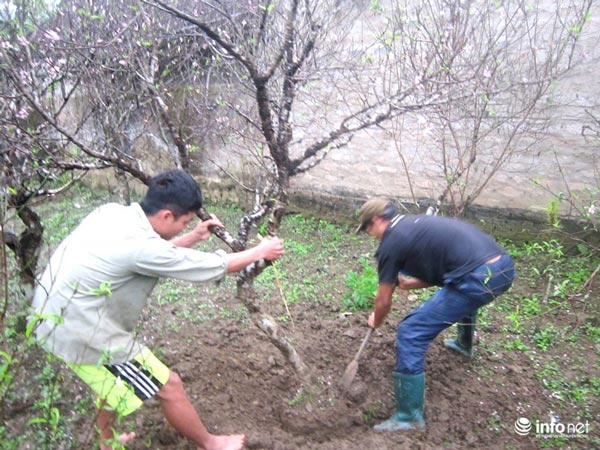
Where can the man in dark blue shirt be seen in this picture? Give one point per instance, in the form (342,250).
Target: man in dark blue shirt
(419,251)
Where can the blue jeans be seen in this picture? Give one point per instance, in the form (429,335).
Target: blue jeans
(457,300)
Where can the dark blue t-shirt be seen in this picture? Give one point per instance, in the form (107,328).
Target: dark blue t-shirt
(437,250)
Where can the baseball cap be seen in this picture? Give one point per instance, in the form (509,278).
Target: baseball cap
(374,207)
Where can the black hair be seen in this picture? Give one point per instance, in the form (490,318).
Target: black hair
(174,190)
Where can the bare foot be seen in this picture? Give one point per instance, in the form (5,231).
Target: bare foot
(123,439)
(233,442)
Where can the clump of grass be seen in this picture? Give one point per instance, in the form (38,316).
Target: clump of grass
(362,285)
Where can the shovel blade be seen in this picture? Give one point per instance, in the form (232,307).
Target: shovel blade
(349,375)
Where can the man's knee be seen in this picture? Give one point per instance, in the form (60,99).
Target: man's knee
(174,386)
(408,333)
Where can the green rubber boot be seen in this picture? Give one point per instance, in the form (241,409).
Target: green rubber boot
(465,331)
(410,397)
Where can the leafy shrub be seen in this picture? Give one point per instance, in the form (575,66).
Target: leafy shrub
(362,285)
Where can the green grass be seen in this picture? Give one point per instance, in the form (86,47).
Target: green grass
(362,286)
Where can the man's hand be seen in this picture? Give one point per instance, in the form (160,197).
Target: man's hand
(371,320)
(267,248)
(202,232)
(271,248)
(383,304)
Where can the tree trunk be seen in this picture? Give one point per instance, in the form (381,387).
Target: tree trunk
(27,245)
(268,325)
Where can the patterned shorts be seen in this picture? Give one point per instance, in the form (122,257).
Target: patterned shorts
(123,387)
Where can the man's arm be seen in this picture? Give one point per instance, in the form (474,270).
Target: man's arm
(268,248)
(408,283)
(198,234)
(383,304)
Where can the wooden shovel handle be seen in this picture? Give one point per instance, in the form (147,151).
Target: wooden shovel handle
(364,343)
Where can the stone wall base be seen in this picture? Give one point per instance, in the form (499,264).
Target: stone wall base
(517,225)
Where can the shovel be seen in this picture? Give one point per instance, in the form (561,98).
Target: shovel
(352,368)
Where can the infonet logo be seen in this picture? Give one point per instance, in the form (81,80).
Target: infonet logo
(524,427)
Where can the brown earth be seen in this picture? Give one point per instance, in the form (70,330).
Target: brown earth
(240,383)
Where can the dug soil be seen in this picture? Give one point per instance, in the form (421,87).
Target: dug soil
(241,383)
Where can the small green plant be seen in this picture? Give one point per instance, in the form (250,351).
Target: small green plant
(578,393)
(545,337)
(6,374)
(592,331)
(515,318)
(553,442)
(362,285)
(371,412)
(369,415)
(595,383)
(47,423)
(298,248)
(560,289)
(552,213)
(496,424)
(552,247)
(226,313)
(9,442)
(104,290)
(298,399)
(516,344)
(531,306)
(594,442)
